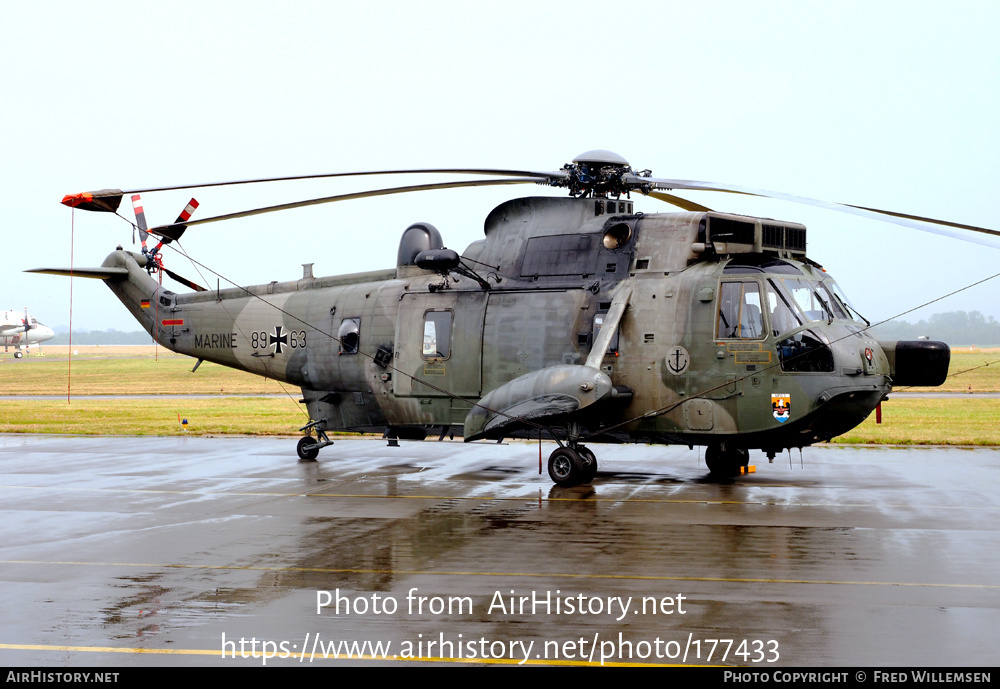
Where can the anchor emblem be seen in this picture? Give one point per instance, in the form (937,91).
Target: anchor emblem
(677,360)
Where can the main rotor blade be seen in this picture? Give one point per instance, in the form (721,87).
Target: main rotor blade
(96,195)
(167,230)
(917,222)
(679,202)
(104,201)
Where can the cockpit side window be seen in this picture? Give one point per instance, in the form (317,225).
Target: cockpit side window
(740,314)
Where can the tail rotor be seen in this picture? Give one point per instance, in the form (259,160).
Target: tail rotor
(154,260)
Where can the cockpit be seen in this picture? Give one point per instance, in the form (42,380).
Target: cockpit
(772,300)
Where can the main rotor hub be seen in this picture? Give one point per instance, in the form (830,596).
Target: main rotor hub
(599,173)
(601,158)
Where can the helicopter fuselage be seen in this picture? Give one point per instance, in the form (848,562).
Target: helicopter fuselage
(727,333)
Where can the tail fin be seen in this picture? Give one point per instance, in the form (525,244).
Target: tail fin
(125,274)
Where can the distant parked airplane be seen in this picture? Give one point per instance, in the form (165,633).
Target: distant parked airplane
(22,331)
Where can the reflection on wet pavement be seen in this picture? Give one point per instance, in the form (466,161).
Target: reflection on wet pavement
(853,557)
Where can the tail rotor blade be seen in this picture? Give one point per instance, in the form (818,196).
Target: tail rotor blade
(140,219)
(177,229)
(185,214)
(184,281)
(180,224)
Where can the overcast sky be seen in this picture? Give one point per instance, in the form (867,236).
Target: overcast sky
(892,105)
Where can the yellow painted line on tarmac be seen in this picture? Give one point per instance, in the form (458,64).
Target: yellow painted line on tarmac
(310,657)
(488,498)
(525,575)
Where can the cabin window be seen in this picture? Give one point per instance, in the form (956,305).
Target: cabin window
(740,311)
(559,255)
(349,335)
(437,335)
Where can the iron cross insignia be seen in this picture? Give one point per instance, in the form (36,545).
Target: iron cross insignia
(277,339)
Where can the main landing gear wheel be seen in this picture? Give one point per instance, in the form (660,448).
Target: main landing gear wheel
(565,467)
(307,449)
(723,461)
(571,467)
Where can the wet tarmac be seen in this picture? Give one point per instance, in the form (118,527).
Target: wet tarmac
(167,551)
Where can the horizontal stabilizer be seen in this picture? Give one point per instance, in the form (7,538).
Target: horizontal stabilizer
(113,274)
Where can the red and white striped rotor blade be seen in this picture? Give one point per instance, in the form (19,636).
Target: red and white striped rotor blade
(186,213)
(177,229)
(140,219)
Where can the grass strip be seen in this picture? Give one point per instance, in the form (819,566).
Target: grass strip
(222,416)
(956,421)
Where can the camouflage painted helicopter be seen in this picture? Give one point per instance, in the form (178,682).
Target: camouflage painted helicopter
(575,319)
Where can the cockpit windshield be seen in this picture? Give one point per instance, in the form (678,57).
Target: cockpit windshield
(790,302)
(842,298)
(813,300)
(783,316)
(795,301)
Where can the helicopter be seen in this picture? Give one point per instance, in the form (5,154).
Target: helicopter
(575,319)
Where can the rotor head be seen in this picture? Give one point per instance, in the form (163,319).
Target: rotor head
(599,173)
